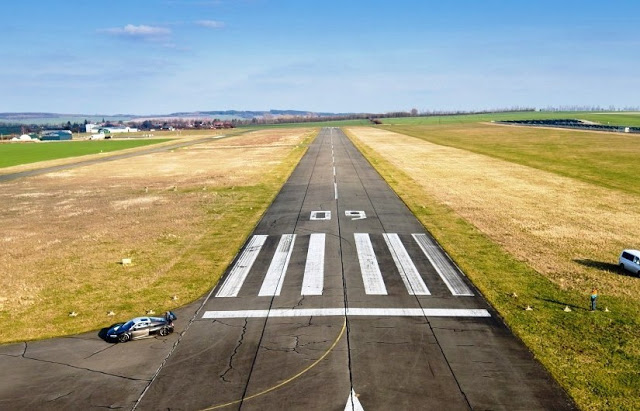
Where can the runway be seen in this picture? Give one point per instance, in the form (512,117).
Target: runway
(340,300)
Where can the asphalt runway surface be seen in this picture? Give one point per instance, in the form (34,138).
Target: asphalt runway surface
(339,300)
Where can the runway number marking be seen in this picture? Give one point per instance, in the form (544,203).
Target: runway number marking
(356,215)
(320,215)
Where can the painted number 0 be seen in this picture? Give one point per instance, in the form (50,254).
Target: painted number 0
(355,215)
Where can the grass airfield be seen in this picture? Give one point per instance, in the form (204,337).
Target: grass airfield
(535,217)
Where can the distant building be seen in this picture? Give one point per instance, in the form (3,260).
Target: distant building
(55,135)
(115,130)
(91,128)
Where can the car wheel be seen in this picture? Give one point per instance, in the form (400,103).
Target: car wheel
(123,338)
(163,331)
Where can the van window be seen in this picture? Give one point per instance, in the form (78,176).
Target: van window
(627,256)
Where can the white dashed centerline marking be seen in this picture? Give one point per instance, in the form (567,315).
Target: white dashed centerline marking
(354,312)
(235,279)
(272,284)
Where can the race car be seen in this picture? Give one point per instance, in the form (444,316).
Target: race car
(142,327)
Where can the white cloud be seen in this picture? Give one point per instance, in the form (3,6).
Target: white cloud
(142,31)
(210,24)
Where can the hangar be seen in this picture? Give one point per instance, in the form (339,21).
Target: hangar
(56,135)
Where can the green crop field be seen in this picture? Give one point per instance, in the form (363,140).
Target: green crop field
(13,154)
(628,119)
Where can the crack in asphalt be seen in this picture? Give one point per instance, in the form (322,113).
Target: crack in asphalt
(84,369)
(60,396)
(391,343)
(99,351)
(433,374)
(458,330)
(223,323)
(297,344)
(344,280)
(299,303)
(235,351)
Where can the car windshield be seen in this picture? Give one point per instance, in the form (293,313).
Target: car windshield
(127,325)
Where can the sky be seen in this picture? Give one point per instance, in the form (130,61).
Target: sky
(164,56)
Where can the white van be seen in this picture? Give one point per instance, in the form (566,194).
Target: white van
(630,261)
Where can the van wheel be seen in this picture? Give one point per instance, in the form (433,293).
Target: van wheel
(622,266)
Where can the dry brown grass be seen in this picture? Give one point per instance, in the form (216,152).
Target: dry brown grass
(561,227)
(64,233)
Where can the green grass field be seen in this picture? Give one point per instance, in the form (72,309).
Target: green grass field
(13,154)
(610,161)
(629,119)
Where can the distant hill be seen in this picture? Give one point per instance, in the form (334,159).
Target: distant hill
(57,118)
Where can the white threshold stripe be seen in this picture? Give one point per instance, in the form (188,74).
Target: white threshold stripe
(272,284)
(237,275)
(313,280)
(371,275)
(408,271)
(354,312)
(443,266)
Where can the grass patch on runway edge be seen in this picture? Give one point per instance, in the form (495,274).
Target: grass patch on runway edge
(588,353)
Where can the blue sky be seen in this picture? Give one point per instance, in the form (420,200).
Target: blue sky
(163,56)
